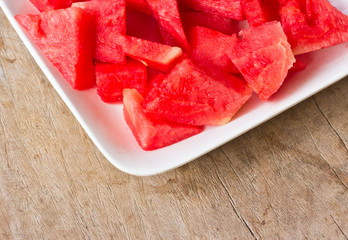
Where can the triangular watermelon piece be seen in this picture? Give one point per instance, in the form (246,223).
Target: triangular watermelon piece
(313,24)
(189,95)
(113,78)
(151,133)
(257,12)
(227,8)
(208,20)
(203,40)
(167,14)
(47,5)
(155,55)
(111,22)
(67,38)
(263,56)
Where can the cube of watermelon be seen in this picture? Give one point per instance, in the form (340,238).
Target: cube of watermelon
(228,8)
(208,20)
(47,5)
(67,38)
(263,56)
(151,133)
(189,95)
(113,78)
(111,22)
(313,24)
(203,40)
(167,14)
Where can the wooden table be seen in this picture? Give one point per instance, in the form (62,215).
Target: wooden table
(287,179)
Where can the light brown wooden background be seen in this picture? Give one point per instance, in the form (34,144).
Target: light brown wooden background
(286,179)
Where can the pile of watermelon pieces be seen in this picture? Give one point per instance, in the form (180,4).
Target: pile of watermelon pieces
(178,66)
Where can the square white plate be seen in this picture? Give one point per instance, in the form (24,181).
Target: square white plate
(106,127)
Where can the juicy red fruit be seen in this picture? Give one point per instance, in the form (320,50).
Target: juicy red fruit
(227,8)
(189,95)
(67,39)
(46,5)
(167,14)
(263,56)
(209,49)
(313,24)
(151,133)
(111,22)
(113,78)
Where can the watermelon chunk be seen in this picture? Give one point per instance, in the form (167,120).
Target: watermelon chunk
(263,56)
(113,78)
(67,38)
(167,14)
(150,133)
(47,5)
(313,24)
(228,8)
(155,55)
(189,95)
(203,40)
(257,12)
(213,21)
(111,22)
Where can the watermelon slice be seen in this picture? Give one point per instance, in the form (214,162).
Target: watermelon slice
(228,8)
(203,40)
(257,12)
(263,56)
(313,24)
(67,38)
(189,95)
(113,78)
(111,22)
(167,14)
(150,133)
(155,55)
(213,21)
(46,5)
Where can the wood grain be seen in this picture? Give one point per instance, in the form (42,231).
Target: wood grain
(287,179)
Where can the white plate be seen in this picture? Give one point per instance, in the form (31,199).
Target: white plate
(105,125)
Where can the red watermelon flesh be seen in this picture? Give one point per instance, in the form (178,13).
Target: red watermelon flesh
(67,39)
(167,14)
(313,24)
(154,55)
(151,133)
(167,38)
(263,56)
(142,26)
(228,8)
(113,78)
(189,95)
(257,12)
(47,5)
(212,21)
(209,49)
(111,22)
(138,5)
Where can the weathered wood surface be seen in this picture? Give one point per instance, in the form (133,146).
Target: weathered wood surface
(287,179)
